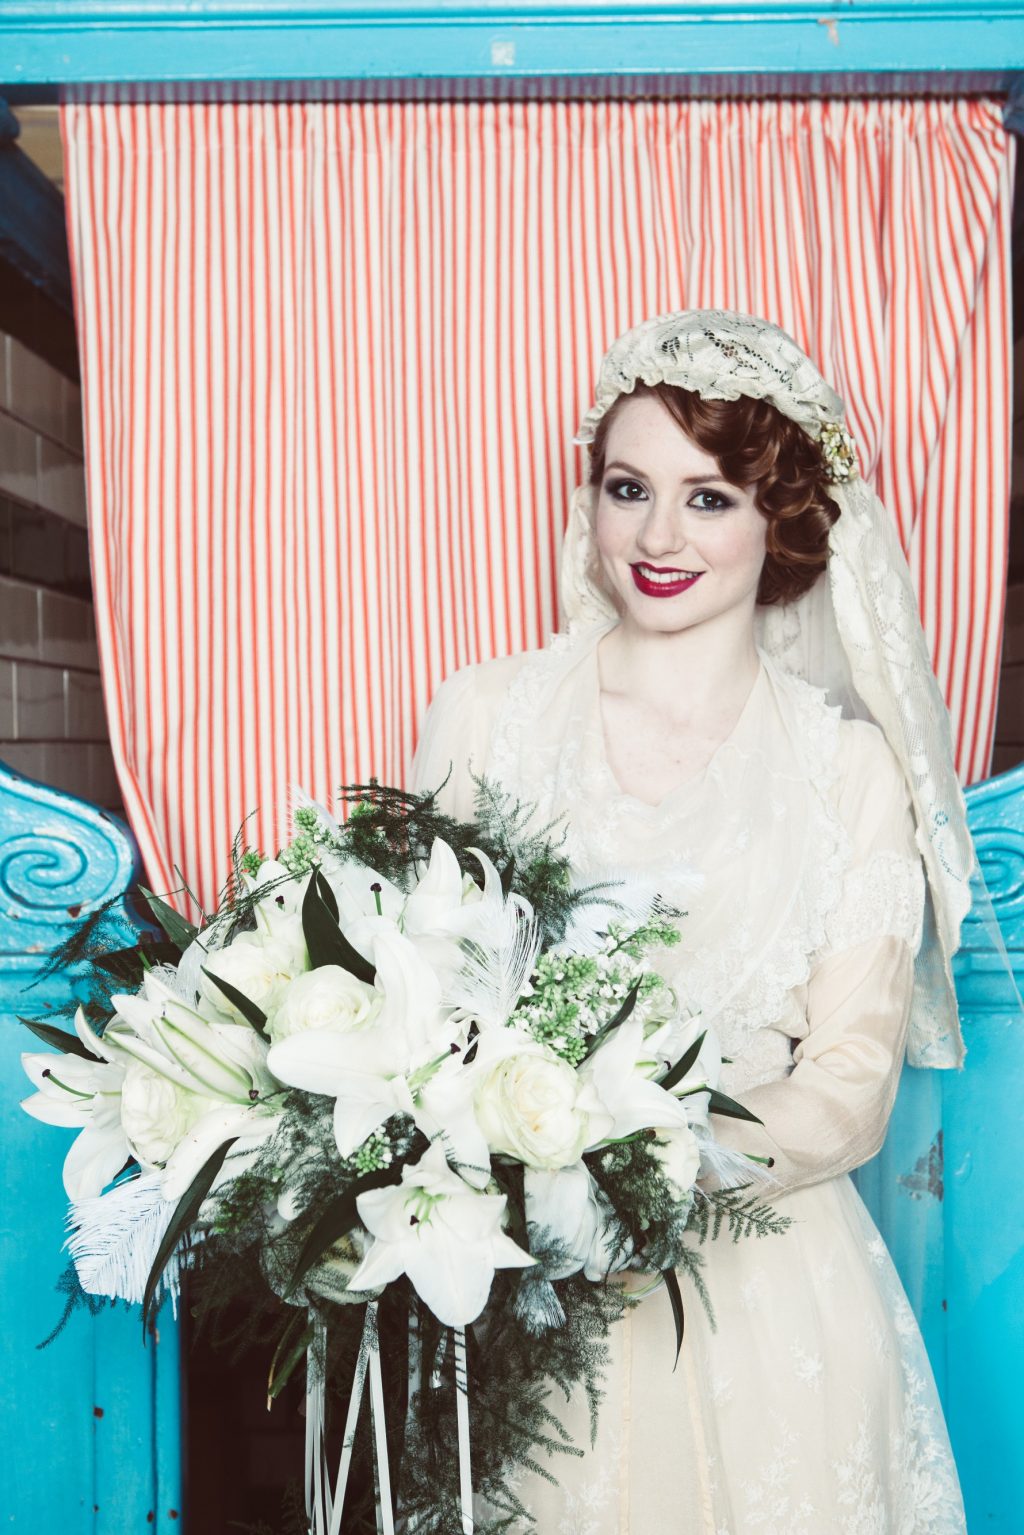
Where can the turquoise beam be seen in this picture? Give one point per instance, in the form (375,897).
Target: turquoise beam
(88,41)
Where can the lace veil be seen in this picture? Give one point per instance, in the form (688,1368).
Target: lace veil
(857,633)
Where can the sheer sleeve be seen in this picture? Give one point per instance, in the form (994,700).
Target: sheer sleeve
(445,748)
(456,732)
(830,1114)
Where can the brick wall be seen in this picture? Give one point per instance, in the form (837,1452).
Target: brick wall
(52,720)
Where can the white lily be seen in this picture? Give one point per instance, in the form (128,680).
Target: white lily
(353,886)
(219,1067)
(250,1128)
(374,1071)
(445,1235)
(445,1110)
(362,1071)
(358,1071)
(617,1071)
(277,889)
(668,1044)
(437,916)
(224,1061)
(81,1095)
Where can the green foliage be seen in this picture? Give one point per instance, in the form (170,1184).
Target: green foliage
(741,1217)
(254,1278)
(75,1299)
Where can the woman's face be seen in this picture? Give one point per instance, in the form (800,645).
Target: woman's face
(678,545)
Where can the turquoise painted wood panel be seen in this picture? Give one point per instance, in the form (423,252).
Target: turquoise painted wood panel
(91,1437)
(99,40)
(946,1189)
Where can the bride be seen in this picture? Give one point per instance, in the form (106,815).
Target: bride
(741,708)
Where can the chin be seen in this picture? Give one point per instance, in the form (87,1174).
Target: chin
(662,615)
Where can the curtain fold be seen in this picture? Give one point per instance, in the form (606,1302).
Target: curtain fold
(333,356)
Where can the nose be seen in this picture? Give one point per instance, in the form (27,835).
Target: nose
(663,531)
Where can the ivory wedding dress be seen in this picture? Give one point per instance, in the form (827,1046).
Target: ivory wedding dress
(812,1409)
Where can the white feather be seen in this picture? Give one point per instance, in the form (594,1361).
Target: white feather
(496,962)
(731,1168)
(114,1239)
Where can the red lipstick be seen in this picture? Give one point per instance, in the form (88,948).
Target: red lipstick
(663,588)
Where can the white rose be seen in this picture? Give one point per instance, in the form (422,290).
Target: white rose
(156,1114)
(528,1107)
(260,968)
(661,1005)
(326,998)
(679,1156)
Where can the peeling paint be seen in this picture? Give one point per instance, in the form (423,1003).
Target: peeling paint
(831,27)
(926,1177)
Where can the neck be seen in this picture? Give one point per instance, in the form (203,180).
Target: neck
(684,673)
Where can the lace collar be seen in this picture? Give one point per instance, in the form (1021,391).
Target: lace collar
(758,826)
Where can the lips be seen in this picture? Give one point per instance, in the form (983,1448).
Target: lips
(663,588)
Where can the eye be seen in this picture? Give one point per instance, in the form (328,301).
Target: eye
(710,501)
(622,490)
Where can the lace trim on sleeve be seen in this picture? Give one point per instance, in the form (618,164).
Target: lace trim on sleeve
(881,898)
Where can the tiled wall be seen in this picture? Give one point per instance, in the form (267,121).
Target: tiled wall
(52,721)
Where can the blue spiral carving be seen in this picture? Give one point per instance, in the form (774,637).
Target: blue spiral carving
(60,858)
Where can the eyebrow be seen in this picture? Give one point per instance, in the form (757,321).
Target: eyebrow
(690,479)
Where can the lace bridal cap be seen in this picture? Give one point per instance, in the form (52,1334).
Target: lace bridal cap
(856,633)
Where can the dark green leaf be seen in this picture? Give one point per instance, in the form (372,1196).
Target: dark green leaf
(675,1296)
(178,929)
(59,1039)
(249,1011)
(620,1017)
(325,941)
(684,1063)
(326,894)
(507,874)
(183,1217)
(335,1221)
(720,1104)
(292,1345)
(129,965)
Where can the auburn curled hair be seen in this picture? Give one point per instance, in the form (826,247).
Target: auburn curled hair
(756,447)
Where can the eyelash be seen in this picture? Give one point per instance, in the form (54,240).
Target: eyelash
(614,488)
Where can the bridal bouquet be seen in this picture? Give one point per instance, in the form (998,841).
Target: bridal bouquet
(407,1080)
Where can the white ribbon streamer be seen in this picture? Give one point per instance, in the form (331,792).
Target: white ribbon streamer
(462,1419)
(324,1505)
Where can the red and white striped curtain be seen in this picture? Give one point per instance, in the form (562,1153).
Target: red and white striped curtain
(333,356)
